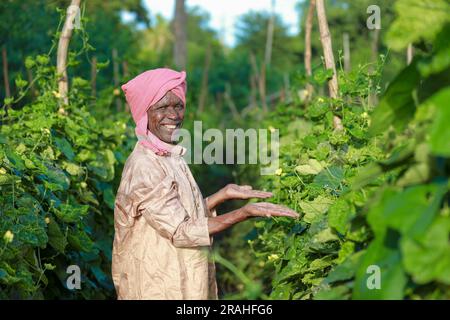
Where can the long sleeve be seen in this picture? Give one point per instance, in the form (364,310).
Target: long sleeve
(162,246)
(154,195)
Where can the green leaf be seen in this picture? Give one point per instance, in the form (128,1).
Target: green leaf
(427,258)
(330,177)
(397,106)
(15,159)
(365,175)
(71,213)
(73,169)
(440,60)
(383,254)
(403,210)
(417,20)
(312,167)
(55,179)
(439,131)
(108,197)
(55,236)
(339,215)
(65,147)
(79,240)
(337,293)
(315,208)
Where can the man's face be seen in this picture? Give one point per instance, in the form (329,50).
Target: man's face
(165,116)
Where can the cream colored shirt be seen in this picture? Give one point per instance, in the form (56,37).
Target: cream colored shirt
(161,245)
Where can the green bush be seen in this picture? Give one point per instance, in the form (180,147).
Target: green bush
(58,175)
(374,196)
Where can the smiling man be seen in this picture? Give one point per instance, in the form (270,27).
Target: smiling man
(163,225)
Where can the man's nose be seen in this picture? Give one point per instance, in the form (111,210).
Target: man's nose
(172,113)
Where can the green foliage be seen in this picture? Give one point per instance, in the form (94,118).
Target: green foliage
(57,175)
(373,194)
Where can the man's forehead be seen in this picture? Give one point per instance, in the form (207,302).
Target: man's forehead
(168,98)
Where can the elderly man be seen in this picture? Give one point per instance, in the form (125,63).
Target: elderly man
(163,225)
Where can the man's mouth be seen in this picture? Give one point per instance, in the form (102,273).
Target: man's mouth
(170,126)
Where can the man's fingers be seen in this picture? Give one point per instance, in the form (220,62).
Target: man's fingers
(259,194)
(277,210)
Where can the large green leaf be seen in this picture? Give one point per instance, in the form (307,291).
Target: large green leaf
(315,208)
(65,147)
(55,236)
(440,132)
(383,254)
(71,213)
(397,106)
(401,210)
(340,214)
(427,257)
(417,20)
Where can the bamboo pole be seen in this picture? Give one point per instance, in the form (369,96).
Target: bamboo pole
(94,77)
(180,32)
(409,54)
(269,39)
(115,60)
(325,39)
(346,46)
(63,47)
(5,72)
(204,87)
(30,81)
(308,31)
(261,80)
(375,44)
(230,102)
(125,69)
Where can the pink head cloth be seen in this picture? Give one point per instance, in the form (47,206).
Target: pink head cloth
(144,91)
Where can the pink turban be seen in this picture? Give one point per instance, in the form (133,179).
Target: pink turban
(144,91)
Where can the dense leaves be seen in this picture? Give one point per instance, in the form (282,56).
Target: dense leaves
(373,197)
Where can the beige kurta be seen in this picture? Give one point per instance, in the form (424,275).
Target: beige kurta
(161,243)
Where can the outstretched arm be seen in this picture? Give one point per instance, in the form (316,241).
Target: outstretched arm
(260,209)
(234,192)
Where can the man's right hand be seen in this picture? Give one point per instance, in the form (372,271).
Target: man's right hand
(266,209)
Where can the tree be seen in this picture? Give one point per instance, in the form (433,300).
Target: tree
(179,26)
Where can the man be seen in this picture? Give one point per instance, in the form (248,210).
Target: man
(163,225)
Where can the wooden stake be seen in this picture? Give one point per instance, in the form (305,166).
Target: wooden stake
(375,41)
(346,45)
(180,32)
(409,54)
(30,81)
(230,102)
(325,39)
(308,30)
(116,77)
(125,69)
(63,47)
(5,72)
(269,39)
(94,77)
(204,87)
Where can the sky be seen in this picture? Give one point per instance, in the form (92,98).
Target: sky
(224,13)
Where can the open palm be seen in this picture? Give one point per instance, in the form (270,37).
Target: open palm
(234,191)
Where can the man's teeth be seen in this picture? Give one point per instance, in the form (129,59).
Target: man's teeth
(170,126)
